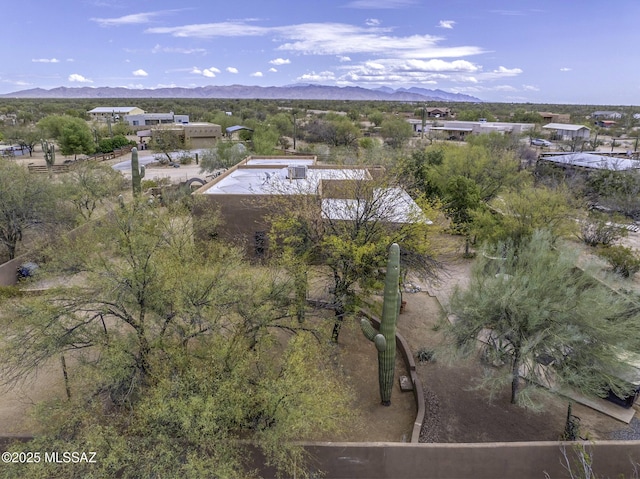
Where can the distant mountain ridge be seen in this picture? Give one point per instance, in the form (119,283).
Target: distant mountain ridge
(291,92)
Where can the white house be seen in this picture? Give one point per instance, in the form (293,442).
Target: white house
(460,129)
(113,113)
(564,131)
(150,119)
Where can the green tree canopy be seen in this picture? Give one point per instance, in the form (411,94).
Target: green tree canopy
(181,353)
(351,237)
(224,155)
(27,203)
(88,185)
(534,308)
(396,131)
(516,214)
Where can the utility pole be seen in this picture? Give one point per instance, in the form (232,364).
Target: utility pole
(294,131)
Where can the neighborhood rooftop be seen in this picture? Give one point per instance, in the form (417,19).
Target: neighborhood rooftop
(592,161)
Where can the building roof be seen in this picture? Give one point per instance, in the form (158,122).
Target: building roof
(273,180)
(280,161)
(593,161)
(232,129)
(396,205)
(114,109)
(565,126)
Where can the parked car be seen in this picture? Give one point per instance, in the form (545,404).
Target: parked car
(540,142)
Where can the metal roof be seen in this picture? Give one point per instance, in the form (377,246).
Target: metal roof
(231,129)
(565,126)
(113,109)
(592,161)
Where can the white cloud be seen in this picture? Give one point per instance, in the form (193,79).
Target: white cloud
(411,71)
(133,19)
(45,60)
(185,51)
(344,59)
(509,13)
(257,74)
(212,30)
(206,72)
(75,77)
(140,73)
(328,39)
(565,69)
(446,24)
(273,70)
(508,71)
(504,88)
(341,39)
(317,77)
(502,72)
(530,88)
(232,69)
(280,61)
(372,22)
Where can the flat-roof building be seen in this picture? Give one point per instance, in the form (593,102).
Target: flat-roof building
(244,196)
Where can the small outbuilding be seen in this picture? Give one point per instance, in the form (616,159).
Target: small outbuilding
(565,131)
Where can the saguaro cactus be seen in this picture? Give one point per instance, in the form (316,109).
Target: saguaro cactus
(49,150)
(385,339)
(137,172)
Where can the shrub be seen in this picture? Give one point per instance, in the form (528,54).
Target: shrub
(185,159)
(622,260)
(598,230)
(424,355)
(146,184)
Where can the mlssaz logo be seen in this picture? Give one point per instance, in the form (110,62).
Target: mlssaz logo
(69,457)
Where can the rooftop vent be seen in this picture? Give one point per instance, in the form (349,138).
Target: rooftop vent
(297,172)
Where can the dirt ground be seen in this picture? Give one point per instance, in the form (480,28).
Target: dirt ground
(456,411)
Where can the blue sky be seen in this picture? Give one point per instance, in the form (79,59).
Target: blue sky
(556,51)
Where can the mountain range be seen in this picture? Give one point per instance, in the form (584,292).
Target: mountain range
(292,92)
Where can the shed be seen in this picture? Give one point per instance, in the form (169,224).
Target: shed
(565,131)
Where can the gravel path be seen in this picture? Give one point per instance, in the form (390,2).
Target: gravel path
(629,433)
(430,431)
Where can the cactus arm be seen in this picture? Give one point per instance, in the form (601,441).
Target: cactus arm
(373,335)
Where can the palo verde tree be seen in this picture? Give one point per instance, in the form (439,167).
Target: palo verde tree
(544,318)
(516,214)
(89,185)
(224,154)
(165,142)
(396,131)
(349,230)
(27,203)
(175,356)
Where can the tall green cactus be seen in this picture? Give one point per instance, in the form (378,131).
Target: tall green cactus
(49,150)
(137,172)
(385,339)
